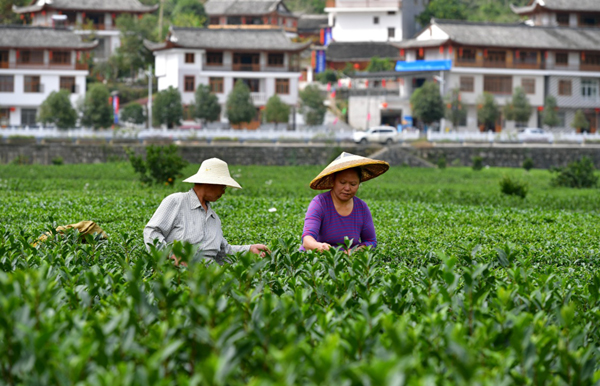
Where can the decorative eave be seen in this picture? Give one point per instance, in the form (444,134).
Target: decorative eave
(35,8)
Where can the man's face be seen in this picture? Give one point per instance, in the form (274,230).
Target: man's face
(213,192)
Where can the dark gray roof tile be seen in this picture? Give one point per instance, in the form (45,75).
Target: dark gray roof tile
(360,51)
(41,37)
(243,7)
(87,5)
(312,22)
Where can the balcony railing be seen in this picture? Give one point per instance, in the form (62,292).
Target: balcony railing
(363,4)
(250,67)
(44,66)
(530,66)
(259,98)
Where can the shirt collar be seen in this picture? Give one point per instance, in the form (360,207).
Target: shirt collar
(195,203)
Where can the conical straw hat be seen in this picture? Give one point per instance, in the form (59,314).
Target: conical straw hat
(213,171)
(370,169)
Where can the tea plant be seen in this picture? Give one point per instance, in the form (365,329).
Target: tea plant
(577,174)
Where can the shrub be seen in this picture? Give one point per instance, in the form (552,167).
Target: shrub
(441,162)
(528,164)
(477,163)
(578,174)
(21,159)
(162,165)
(133,113)
(513,187)
(58,160)
(58,110)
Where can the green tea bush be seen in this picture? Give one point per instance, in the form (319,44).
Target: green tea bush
(163,164)
(577,174)
(441,162)
(513,187)
(477,163)
(528,164)
(58,161)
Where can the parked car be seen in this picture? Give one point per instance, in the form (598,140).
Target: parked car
(534,134)
(379,134)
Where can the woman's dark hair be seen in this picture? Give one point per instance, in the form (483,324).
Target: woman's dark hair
(357,170)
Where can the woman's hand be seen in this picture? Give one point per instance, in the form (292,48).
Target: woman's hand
(259,249)
(322,247)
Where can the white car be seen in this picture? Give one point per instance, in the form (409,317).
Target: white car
(379,134)
(534,134)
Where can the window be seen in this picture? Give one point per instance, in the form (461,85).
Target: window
(589,88)
(562,59)
(420,54)
(526,57)
(214,58)
(564,87)
(589,20)
(60,57)
(562,19)
(4,116)
(497,84)
(375,19)
(282,86)
(215,85)
(68,83)
(253,84)
(562,119)
(32,84)
(528,85)
(214,20)
(234,20)
(7,83)
(496,56)
(466,55)
(30,57)
(28,117)
(3,59)
(189,57)
(254,20)
(275,60)
(189,83)
(467,84)
(391,13)
(590,59)
(391,33)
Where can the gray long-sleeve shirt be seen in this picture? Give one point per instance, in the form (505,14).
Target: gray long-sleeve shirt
(180,216)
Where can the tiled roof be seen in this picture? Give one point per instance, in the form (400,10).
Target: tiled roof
(360,51)
(515,36)
(228,39)
(312,22)
(243,7)
(559,5)
(87,5)
(41,37)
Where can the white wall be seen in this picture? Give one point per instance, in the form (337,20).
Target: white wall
(359,27)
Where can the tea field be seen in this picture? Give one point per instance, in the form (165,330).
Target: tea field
(466,287)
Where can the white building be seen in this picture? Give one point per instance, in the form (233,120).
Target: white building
(265,59)
(373,20)
(85,17)
(34,62)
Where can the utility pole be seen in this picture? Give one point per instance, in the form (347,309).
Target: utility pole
(149,73)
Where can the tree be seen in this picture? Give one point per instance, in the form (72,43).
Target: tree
(518,108)
(133,113)
(58,110)
(189,13)
(380,64)
(131,55)
(443,9)
(240,107)
(580,122)
(277,111)
(167,108)
(427,103)
(311,105)
(487,111)
(207,107)
(455,111)
(7,16)
(327,76)
(550,116)
(96,109)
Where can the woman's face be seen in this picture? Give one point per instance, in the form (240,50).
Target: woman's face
(345,185)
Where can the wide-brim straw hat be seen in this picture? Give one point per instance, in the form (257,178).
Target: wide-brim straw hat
(213,171)
(371,168)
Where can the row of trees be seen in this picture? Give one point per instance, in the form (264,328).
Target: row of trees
(95,110)
(428,106)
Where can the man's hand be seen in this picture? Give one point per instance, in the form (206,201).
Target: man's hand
(259,249)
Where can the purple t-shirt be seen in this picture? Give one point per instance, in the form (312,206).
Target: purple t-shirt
(326,225)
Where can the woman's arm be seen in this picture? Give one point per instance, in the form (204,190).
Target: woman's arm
(309,243)
(367,234)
